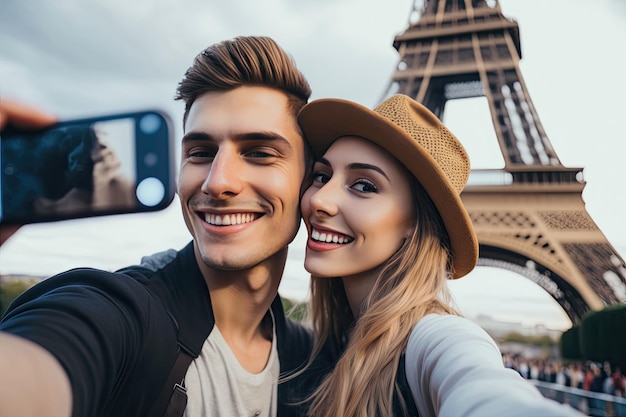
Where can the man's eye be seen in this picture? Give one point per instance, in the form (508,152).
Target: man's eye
(200,154)
(259,154)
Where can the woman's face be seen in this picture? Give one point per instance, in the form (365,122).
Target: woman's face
(358,210)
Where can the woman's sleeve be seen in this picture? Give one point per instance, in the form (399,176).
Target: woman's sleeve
(454,368)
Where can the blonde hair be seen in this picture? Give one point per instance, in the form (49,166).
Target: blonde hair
(411,285)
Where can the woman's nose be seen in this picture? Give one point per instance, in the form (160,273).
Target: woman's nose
(324,200)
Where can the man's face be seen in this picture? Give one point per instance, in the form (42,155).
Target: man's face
(241,171)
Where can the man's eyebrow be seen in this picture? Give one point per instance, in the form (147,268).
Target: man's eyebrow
(241,137)
(190,136)
(261,136)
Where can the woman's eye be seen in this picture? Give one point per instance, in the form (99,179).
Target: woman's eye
(320,177)
(365,187)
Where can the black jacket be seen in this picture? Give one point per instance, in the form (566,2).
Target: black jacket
(118,334)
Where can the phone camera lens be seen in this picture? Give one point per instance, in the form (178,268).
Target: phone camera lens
(150,192)
(150,124)
(9,170)
(150,159)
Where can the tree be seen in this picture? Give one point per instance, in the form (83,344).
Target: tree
(10,290)
(603,335)
(599,337)
(570,344)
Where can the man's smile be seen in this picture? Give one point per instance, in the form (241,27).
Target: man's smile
(229,219)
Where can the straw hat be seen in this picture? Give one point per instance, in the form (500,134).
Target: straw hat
(418,139)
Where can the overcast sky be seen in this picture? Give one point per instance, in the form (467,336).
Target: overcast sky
(82,58)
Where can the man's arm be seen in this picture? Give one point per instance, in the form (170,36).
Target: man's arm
(32,382)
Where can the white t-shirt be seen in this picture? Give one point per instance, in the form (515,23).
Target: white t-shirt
(454,368)
(217,385)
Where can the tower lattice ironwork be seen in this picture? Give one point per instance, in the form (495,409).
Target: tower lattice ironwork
(530,216)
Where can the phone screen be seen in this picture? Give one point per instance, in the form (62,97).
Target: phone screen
(108,165)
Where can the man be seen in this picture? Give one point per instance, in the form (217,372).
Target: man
(94,343)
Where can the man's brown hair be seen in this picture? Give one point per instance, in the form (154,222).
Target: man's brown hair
(244,60)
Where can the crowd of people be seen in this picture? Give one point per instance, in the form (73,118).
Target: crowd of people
(597,389)
(587,375)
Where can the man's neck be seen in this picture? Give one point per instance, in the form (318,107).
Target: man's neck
(240,302)
(240,306)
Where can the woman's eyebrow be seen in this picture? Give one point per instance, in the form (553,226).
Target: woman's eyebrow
(357,165)
(360,165)
(324,161)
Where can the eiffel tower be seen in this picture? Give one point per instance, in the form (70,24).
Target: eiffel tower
(530,217)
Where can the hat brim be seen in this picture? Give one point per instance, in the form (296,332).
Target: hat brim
(325,120)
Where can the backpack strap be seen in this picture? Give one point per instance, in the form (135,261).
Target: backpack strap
(173,397)
(406,392)
(177,281)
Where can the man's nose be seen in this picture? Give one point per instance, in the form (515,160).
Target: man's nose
(225,176)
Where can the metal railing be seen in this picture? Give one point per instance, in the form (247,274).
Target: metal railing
(588,402)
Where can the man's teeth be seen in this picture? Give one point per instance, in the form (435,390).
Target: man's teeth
(228,219)
(330,237)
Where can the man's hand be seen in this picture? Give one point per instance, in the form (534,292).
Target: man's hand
(24,117)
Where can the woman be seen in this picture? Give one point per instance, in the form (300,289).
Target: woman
(387,228)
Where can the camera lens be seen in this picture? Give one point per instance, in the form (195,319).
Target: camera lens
(150,124)
(150,192)
(150,159)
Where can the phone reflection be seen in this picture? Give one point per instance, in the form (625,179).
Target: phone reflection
(66,171)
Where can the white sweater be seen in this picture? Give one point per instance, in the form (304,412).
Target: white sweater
(454,368)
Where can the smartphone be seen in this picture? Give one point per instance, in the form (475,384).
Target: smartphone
(113,164)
